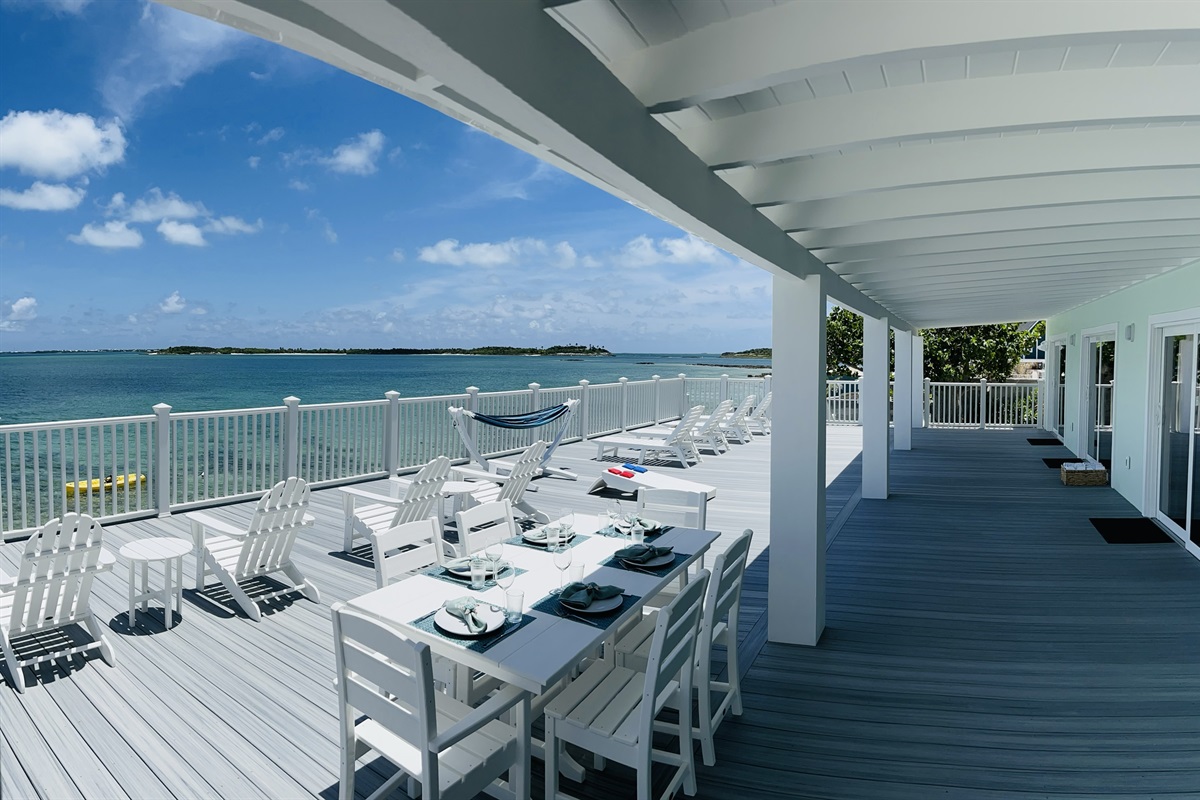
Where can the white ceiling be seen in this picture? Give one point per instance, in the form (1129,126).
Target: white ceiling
(942,163)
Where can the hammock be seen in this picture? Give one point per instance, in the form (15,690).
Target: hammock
(533,419)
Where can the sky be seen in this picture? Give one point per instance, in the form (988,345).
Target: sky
(166,180)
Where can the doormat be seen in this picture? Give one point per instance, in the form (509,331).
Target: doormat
(1055,463)
(1130,530)
(1044,442)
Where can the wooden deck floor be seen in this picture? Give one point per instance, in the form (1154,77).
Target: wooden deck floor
(983,641)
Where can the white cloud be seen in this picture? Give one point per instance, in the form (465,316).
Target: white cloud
(54,144)
(232,225)
(163,51)
(254,161)
(157,206)
(42,197)
(326,228)
(645,252)
(181,233)
(564,255)
(397,255)
(273,135)
(111,235)
(23,309)
(299,185)
(59,7)
(173,304)
(357,156)
(488,254)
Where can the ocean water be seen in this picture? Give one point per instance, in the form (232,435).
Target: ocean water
(63,386)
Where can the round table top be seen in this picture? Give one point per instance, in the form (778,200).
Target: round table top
(158,548)
(460,487)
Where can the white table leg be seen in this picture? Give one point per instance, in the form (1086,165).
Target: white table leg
(145,586)
(132,604)
(167,594)
(179,587)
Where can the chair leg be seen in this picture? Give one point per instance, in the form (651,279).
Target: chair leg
(346,784)
(15,673)
(239,595)
(106,651)
(519,778)
(303,584)
(550,749)
(704,694)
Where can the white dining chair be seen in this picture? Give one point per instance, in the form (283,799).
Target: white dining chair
(406,548)
(481,525)
(679,507)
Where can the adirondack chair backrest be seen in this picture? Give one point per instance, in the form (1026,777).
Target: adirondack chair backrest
(388,678)
(406,548)
(278,517)
(523,471)
(673,649)
(673,506)
(424,492)
(54,582)
(743,409)
(724,593)
(761,409)
(716,418)
(480,525)
(683,430)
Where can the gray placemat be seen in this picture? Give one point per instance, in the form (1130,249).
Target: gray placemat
(442,575)
(479,645)
(550,605)
(520,542)
(613,561)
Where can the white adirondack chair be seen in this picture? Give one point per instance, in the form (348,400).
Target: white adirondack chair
(759,418)
(263,548)
(735,425)
(52,589)
(722,602)
(387,704)
(611,710)
(407,548)
(677,443)
(370,512)
(510,487)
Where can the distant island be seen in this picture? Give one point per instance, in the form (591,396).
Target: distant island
(557,350)
(756,352)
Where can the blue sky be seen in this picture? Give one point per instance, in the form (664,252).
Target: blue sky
(165,180)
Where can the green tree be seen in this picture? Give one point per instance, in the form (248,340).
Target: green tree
(843,343)
(976,351)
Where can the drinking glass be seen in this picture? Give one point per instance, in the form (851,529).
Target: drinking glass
(562,560)
(493,550)
(552,533)
(637,533)
(478,572)
(514,605)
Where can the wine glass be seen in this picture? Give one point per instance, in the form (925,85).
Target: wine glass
(567,521)
(493,550)
(506,573)
(562,560)
(614,513)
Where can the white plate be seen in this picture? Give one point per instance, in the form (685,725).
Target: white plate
(657,561)
(648,525)
(464,570)
(494,620)
(540,540)
(597,606)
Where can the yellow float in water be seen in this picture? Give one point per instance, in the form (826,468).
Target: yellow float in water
(107,484)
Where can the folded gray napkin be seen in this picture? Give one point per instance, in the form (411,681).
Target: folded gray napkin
(464,608)
(582,595)
(641,553)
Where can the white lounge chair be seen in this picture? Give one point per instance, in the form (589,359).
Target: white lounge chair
(677,444)
(263,548)
(722,602)
(760,418)
(611,710)
(52,590)
(387,704)
(510,487)
(735,425)
(709,433)
(410,500)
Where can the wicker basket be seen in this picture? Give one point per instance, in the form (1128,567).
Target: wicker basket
(1090,476)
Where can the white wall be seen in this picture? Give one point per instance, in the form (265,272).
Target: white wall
(1175,291)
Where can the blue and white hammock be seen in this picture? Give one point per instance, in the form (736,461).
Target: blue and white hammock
(534,419)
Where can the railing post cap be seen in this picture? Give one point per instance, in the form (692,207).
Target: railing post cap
(535,386)
(392,395)
(584,382)
(472,389)
(682,375)
(291,400)
(724,374)
(655,377)
(623,380)
(161,408)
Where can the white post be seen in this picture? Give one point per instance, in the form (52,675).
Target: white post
(724,388)
(162,459)
(585,423)
(982,403)
(624,401)
(766,386)
(391,433)
(927,408)
(657,388)
(291,439)
(534,391)
(902,393)
(472,405)
(920,388)
(683,401)
(874,409)
(796,571)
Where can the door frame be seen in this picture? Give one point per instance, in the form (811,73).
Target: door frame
(1049,373)
(1087,338)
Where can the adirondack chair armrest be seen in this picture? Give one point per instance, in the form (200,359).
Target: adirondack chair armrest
(201,520)
(373,497)
(107,560)
(496,705)
(468,473)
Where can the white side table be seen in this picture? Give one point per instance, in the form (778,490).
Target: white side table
(145,551)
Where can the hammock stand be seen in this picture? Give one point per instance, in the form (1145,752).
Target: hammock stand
(534,419)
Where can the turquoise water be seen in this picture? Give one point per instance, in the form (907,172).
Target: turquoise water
(62,386)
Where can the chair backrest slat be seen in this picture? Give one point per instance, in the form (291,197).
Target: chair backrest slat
(277,520)
(423,492)
(483,524)
(683,430)
(761,409)
(406,548)
(54,581)
(524,470)
(673,647)
(716,418)
(673,506)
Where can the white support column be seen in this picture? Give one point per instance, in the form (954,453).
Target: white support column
(902,392)
(874,409)
(796,585)
(918,381)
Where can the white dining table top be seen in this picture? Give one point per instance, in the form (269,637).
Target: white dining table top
(544,650)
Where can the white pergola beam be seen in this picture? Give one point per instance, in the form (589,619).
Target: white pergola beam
(900,290)
(1013,220)
(959,198)
(1083,236)
(793,41)
(970,160)
(950,108)
(880,272)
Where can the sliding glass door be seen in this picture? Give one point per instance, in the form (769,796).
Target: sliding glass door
(1179,433)
(1102,367)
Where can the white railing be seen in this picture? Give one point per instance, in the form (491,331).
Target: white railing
(167,461)
(981,405)
(841,402)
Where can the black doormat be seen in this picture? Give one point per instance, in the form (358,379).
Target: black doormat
(1044,442)
(1130,530)
(1055,463)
